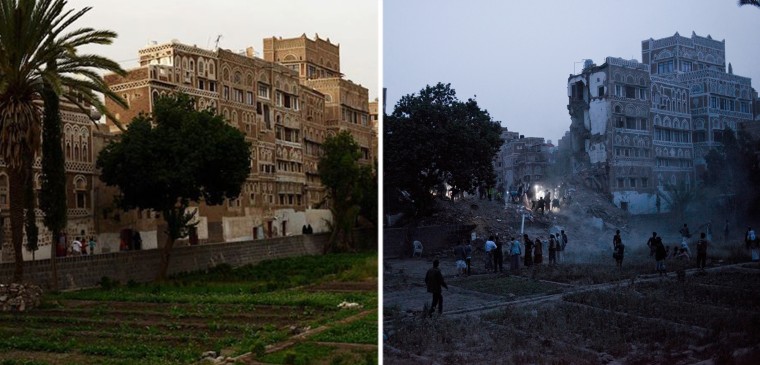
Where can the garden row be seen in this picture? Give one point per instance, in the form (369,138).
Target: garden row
(228,311)
(712,316)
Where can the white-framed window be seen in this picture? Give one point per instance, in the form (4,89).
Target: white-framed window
(263,91)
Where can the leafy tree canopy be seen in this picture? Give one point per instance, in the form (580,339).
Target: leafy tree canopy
(351,187)
(176,156)
(433,138)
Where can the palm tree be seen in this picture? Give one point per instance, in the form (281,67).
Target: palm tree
(33,35)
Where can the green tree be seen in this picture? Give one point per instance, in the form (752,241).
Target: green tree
(30,218)
(348,184)
(434,138)
(176,156)
(53,180)
(34,34)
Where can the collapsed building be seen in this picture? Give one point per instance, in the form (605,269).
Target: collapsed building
(521,160)
(638,127)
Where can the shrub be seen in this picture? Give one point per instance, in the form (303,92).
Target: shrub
(107,283)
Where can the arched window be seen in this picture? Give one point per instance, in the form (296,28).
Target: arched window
(3,190)
(80,189)
(201,66)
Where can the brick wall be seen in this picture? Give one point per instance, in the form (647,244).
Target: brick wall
(142,266)
(433,238)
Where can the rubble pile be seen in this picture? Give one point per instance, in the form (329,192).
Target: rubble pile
(19,297)
(588,214)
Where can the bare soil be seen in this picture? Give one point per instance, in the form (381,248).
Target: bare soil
(584,310)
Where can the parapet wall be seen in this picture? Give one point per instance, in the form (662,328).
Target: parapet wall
(142,266)
(397,242)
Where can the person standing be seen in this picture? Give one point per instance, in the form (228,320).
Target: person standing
(562,245)
(702,251)
(76,247)
(490,249)
(684,231)
(528,258)
(552,250)
(749,237)
(660,253)
(460,256)
(468,257)
(725,232)
(538,251)
(618,250)
(750,240)
(651,244)
(514,253)
(498,256)
(434,281)
(92,245)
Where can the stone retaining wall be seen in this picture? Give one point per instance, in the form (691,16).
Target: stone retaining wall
(142,266)
(397,242)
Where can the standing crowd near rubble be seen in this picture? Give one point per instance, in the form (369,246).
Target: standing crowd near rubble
(531,253)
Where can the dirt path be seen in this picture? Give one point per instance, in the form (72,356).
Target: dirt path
(248,358)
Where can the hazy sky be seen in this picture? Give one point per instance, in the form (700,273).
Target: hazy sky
(516,56)
(242,23)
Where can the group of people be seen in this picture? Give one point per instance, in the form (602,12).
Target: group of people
(530,250)
(79,248)
(534,249)
(532,254)
(495,250)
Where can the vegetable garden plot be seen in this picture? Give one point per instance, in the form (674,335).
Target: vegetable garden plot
(731,279)
(176,321)
(475,341)
(686,292)
(704,318)
(592,328)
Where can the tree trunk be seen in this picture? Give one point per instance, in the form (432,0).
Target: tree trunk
(16,181)
(53,258)
(165,253)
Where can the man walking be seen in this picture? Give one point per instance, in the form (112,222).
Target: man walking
(434,282)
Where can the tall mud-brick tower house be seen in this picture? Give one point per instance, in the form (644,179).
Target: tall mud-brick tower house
(717,99)
(639,127)
(283,113)
(318,65)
